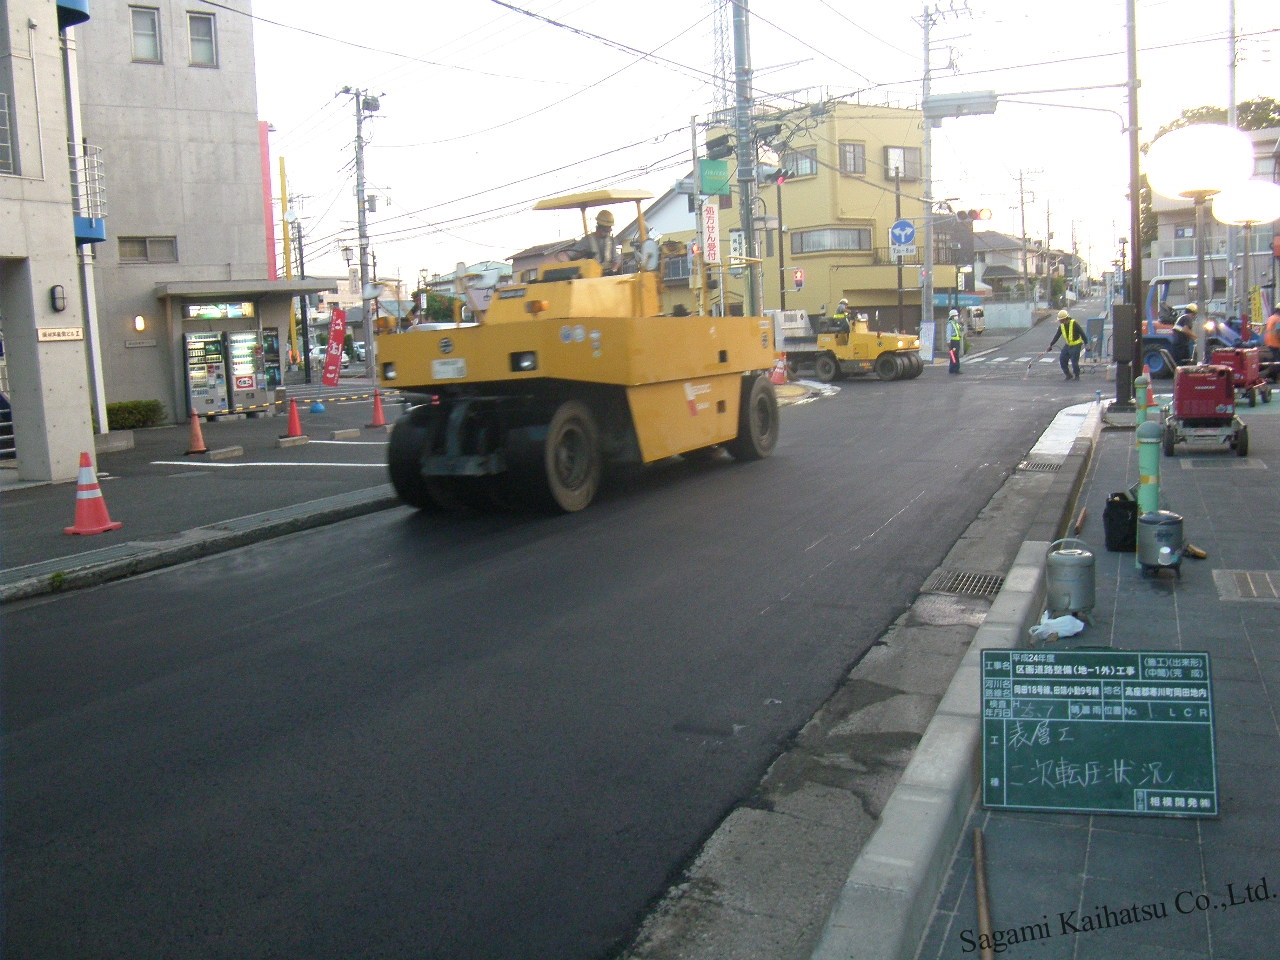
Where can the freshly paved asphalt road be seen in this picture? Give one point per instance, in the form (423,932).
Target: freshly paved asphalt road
(469,736)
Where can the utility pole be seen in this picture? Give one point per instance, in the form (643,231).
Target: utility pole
(782,254)
(1237,299)
(927,19)
(1126,372)
(1026,252)
(897,215)
(365,104)
(926,277)
(306,320)
(1048,259)
(697,275)
(746,153)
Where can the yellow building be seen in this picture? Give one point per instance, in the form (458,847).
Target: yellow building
(853,170)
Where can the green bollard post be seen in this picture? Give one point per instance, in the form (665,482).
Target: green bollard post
(1150,435)
(1140,385)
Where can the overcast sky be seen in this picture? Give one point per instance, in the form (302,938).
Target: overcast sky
(485,109)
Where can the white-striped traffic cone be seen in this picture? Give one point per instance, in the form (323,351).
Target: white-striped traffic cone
(91,509)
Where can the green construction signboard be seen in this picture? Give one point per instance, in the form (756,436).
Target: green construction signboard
(713,178)
(1098,731)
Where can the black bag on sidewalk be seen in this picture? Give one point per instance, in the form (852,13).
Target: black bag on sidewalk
(1120,523)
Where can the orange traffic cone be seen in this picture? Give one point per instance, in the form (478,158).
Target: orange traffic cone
(197,437)
(778,375)
(378,419)
(91,509)
(295,424)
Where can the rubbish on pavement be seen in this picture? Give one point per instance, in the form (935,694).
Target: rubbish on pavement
(1053,628)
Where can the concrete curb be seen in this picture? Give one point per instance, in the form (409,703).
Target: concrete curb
(884,906)
(129,559)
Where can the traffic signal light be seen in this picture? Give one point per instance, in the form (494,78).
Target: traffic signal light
(720,147)
(799,279)
(766,173)
(964,215)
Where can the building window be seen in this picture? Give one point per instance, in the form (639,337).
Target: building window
(830,239)
(146,34)
(853,159)
(801,163)
(1264,168)
(904,160)
(7,164)
(676,268)
(148,249)
(204,40)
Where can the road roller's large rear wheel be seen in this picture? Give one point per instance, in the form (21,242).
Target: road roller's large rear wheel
(757,422)
(571,463)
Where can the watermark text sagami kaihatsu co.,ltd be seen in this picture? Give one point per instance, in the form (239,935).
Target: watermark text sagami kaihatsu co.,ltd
(1108,917)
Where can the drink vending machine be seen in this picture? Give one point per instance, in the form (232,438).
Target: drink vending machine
(206,374)
(248,371)
(226,372)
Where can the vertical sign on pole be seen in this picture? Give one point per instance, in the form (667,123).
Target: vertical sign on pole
(711,232)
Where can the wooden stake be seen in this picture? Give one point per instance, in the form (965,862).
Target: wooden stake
(1080,518)
(984,910)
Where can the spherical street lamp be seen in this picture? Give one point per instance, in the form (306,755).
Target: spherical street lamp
(1247,205)
(1197,162)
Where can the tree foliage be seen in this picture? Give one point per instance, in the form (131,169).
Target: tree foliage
(1250,115)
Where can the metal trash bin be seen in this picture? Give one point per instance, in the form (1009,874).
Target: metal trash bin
(1160,542)
(1069,578)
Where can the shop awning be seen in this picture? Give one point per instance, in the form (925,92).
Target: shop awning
(240,289)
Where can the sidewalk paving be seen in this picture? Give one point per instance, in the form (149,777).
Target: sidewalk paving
(1074,885)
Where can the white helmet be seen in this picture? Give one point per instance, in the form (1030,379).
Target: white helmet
(953,315)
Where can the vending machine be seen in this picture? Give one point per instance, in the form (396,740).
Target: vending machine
(248,372)
(272,355)
(206,374)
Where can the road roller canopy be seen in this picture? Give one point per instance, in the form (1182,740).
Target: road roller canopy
(598,198)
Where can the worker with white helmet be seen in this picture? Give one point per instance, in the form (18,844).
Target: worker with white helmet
(955,341)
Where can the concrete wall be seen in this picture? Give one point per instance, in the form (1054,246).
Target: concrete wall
(181,150)
(48,381)
(1009,316)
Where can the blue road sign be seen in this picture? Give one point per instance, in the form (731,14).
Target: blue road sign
(902,233)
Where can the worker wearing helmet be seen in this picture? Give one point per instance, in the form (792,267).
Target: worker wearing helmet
(1072,338)
(841,319)
(955,341)
(1184,335)
(599,245)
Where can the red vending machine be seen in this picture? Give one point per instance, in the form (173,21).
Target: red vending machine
(206,374)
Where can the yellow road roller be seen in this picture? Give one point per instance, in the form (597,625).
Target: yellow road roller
(525,403)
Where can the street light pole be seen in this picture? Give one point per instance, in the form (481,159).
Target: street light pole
(1197,162)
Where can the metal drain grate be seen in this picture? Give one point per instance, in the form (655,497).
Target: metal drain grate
(1040,466)
(964,584)
(1247,584)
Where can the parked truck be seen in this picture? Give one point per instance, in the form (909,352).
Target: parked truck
(834,351)
(525,403)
